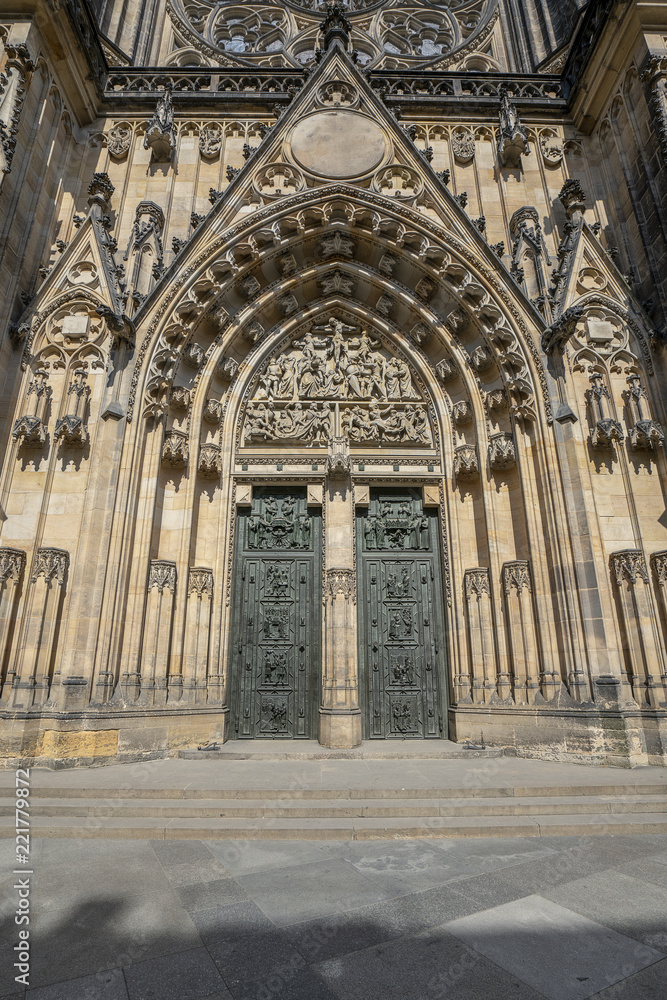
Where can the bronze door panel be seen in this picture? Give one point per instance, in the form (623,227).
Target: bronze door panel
(277,623)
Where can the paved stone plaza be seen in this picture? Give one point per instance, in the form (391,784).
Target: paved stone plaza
(564,918)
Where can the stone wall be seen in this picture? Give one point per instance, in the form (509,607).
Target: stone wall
(167,233)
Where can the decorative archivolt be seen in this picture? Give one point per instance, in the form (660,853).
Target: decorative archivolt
(361,245)
(391,35)
(345,251)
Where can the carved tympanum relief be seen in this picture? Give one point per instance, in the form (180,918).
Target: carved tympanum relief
(336,380)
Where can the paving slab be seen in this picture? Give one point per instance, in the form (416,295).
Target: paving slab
(242,857)
(189,975)
(558,952)
(336,934)
(628,905)
(246,945)
(431,965)
(83,931)
(338,919)
(108,985)
(648,984)
(301,892)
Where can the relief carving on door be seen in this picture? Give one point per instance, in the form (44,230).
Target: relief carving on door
(276,617)
(401,645)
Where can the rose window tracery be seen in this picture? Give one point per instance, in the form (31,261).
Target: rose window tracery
(389,35)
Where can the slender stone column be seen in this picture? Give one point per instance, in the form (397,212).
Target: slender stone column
(197,633)
(157,631)
(340,717)
(659,564)
(645,651)
(521,626)
(33,683)
(12,565)
(478,600)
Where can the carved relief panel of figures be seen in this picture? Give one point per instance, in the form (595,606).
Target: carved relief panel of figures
(333,380)
(401,648)
(397,524)
(279,523)
(276,638)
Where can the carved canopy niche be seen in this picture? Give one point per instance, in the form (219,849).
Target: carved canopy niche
(336,379)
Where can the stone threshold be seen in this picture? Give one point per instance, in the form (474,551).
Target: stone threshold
(312,750)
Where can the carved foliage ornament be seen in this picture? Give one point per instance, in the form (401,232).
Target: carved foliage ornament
(210,461)
(162,575)
(175,449)
(659,563)
(12,564)
(200,582)
(466,465)
(342,583)
(51,564)
(501,451)
(516,575)
(476,583)
(629,565)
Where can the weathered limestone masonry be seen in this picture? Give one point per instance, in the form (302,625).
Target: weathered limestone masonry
(334,375)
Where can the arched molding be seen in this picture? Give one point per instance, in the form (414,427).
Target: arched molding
(423,360)
(277,230)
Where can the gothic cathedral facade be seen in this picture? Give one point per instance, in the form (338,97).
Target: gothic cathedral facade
(334,376)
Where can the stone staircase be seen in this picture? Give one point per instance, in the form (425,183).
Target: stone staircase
(69,810)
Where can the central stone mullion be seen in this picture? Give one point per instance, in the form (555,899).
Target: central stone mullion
(340,716)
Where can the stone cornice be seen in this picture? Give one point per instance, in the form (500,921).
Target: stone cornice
(133,89)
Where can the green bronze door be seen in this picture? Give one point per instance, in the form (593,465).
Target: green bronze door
(401,618)
(277,617)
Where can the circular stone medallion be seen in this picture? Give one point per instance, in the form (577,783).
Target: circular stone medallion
(338,144)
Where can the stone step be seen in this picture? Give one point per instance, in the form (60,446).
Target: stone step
(432,749)
(52,791)
(361,828)
(323,808)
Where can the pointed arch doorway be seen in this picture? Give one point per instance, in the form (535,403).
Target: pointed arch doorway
(335,403)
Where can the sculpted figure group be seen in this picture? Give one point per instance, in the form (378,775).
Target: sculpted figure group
(397,526)
(336,367)
(295,422)
(374,393)
(278,526)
